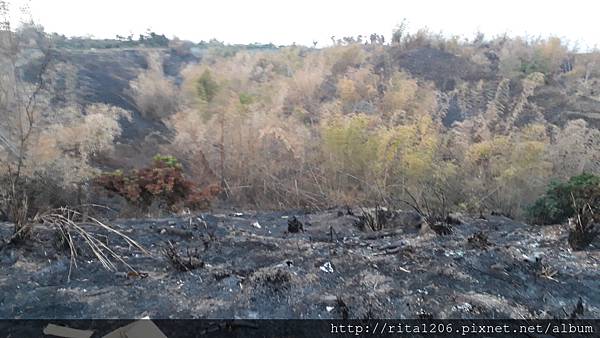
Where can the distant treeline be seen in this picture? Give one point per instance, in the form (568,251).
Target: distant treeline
(148,40)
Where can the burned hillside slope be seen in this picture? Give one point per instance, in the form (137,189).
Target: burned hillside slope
(263,265)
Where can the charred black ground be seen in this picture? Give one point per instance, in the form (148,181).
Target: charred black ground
(249,265)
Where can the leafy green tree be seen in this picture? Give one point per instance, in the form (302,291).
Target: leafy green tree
(206,86)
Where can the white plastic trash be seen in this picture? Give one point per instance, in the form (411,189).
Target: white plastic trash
(327,267)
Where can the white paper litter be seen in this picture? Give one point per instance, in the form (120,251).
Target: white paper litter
(327,267)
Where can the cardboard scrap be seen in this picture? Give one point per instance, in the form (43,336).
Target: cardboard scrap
(66,332)
(143,328)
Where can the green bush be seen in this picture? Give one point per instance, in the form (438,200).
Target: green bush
(562,198)
(206,86)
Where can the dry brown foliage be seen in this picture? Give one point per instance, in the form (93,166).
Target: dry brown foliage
(154,95)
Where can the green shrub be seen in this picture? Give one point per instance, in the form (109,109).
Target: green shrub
(206,86)
(169,161)
(560,200)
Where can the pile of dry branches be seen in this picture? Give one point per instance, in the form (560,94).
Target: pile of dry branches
(71,226)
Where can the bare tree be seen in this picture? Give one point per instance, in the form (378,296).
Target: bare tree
(19,108)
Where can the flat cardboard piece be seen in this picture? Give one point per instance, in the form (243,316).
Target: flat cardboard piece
(66,332)
(140,329)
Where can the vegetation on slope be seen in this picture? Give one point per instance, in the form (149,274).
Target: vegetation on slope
(431,122)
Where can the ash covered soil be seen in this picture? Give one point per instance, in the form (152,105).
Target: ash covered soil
(249,266)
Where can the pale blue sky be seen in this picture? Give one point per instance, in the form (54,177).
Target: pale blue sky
(285,22)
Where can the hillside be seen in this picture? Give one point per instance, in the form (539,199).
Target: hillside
(103,76)
(427,177)
(360,122)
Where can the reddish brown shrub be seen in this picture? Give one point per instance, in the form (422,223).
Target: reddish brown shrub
(163,182)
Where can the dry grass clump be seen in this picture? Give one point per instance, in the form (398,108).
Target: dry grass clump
(584,228)
(71,227)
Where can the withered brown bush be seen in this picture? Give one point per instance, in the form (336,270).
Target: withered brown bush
(48,140)
(21,106)
(164,182)
(154,95)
